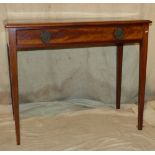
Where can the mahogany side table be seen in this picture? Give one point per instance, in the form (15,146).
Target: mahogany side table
(74,33)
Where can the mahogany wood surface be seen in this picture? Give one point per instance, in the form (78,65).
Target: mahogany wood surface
(45,23)
(14,79)
(33,35)
(119,74)
(76,35)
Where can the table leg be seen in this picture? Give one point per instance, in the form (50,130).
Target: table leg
(14,80)
(119,74)
(142,77)
(10,82)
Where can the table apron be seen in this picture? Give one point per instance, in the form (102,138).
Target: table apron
(58,37)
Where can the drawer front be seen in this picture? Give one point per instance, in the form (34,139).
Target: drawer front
(75,35)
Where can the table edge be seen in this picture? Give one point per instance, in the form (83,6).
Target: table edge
(83,23)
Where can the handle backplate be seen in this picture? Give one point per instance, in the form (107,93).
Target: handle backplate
(119,33)
(45,36)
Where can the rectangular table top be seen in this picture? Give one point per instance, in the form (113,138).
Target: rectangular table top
(71,22)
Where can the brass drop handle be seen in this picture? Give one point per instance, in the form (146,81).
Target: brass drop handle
(45,36)
(119,33)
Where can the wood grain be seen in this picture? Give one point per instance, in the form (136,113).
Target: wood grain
(76,35)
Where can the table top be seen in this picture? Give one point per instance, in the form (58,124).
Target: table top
(70,22)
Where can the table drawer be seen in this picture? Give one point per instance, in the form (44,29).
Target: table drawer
(76,35)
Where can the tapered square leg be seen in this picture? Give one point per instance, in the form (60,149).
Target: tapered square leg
(142,76)
(14,80)
(10,82)
(119,75)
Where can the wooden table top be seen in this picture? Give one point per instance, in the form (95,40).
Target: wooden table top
(71,21)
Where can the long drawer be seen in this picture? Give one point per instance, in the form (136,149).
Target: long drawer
(57,36)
